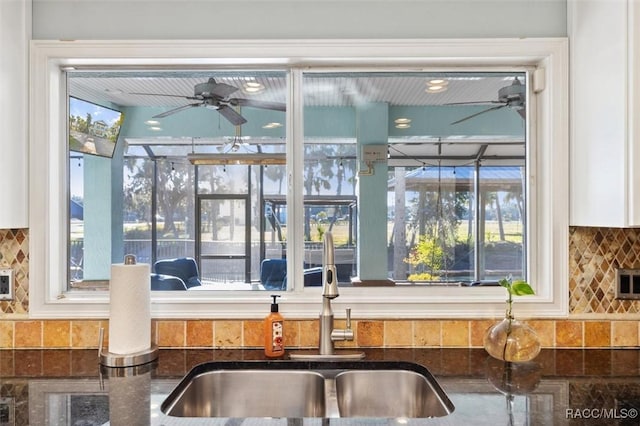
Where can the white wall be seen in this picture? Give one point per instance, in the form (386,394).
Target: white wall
(248,19)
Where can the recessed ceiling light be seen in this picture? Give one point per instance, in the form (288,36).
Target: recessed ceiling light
(435,89)
(272,125)
(402,120)
(437,82)
(152,122)
(436,85)
(253,87)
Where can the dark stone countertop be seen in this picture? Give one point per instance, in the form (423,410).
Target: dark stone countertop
(560,387)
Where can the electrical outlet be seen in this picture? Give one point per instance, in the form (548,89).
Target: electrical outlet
(6,284)
(628,284)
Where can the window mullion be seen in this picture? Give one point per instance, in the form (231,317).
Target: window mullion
(295,161)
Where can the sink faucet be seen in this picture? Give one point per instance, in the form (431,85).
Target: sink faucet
(328,334)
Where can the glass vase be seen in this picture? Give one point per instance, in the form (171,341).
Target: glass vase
(512,341)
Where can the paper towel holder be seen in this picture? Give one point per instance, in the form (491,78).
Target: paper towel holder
(109,359)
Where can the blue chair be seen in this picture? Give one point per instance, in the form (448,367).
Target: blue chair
(273,274)
(161,282)
(184,268)
(313,277)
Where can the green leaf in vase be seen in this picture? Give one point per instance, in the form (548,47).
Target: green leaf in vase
(521,288)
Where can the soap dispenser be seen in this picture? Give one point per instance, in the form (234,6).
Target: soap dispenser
(274,331)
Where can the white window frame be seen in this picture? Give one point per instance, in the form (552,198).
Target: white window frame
(547,174)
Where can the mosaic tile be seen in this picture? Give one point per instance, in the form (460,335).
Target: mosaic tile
(595,253)
(14,253)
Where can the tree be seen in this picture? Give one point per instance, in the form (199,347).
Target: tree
(87,123)
(137,188)
(433,215)
(318,172)
(173,184)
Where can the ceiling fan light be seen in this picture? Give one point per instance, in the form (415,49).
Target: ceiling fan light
(152,122)
(155,128)
(272,125)
(403,125)
(402,120)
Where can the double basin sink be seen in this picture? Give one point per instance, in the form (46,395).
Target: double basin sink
(296,389)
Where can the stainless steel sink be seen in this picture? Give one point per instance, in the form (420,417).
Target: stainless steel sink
(251,393)
(297,389)
(388,393)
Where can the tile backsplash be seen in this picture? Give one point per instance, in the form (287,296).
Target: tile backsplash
(14,253)
(594,254)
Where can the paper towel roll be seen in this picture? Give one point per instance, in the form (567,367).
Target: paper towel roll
(130,311)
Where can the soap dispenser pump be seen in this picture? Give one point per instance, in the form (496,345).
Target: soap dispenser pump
(274,331)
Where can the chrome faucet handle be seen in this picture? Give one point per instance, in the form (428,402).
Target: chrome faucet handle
(344,334)
(348,318)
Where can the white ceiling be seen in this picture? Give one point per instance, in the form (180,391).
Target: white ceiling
(320,90)
(169,88)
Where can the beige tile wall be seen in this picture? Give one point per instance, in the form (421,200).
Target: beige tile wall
(233,334)
(594,255)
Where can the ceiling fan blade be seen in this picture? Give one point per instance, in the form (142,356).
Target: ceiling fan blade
(276,106)
(159,94)
(231,115)
(478,113)
(173,111)
(474,103)
(522,112)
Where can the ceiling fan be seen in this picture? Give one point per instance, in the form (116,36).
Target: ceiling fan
(214,95)
(512,96)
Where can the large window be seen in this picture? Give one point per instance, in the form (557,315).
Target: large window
(381,157)
(455,149)
(193,183)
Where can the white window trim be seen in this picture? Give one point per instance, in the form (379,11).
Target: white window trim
(548,259)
